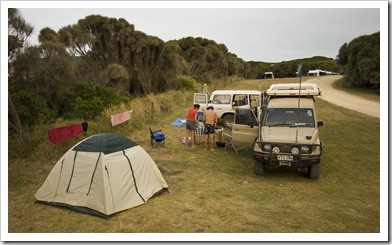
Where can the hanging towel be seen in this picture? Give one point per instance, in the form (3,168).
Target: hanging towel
(120,118)
(57,135)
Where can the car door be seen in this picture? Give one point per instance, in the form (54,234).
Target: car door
(245,127)
(201,99)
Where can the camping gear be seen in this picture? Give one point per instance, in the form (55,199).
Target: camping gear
(200,128)
(189,140)
(157,137)
(102,175)
(200,115)
(229,142)
(178,122)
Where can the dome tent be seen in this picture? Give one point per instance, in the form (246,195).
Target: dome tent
(102,175)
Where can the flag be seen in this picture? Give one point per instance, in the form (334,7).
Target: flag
(299,70)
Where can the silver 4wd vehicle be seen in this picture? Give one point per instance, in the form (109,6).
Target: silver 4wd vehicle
(283,130)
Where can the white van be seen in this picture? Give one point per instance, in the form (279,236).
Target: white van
(225,102)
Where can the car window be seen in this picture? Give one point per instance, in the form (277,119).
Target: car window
(201,99)
(221,99)
(240,100)
(254,100)
(245,117)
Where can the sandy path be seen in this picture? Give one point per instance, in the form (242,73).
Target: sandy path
(343,99)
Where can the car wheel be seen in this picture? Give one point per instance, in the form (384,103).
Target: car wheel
(259,168)
(228,120)
(314,171)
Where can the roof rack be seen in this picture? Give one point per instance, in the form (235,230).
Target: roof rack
(293,89)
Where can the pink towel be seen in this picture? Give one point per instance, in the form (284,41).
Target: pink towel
(57,135)
(120,118)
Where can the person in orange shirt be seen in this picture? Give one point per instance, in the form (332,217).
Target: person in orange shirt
(191,121)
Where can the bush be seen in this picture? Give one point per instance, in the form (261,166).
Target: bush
(188,83)
(32,109)
(88,100)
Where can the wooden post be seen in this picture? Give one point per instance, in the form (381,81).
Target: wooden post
(152,110)
(184,101)
(98,118)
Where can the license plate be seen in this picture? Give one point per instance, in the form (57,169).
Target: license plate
(285,158)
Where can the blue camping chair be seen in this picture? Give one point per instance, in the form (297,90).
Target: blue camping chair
(157,137)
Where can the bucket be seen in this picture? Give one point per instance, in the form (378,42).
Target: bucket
(189,140)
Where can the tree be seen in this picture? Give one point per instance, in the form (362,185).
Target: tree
(18,32)
(342,57)
(206,58)
(103,41)
(360,60)
(116,76)
(173,65)
(43,73)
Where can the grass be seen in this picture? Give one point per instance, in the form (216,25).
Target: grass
(218,192)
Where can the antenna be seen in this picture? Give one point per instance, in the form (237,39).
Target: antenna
(299,74)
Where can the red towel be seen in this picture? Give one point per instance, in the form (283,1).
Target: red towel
(57,135)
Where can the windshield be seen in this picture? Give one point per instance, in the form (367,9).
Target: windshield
(289,117)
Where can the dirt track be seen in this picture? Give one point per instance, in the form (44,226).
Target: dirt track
(343,99)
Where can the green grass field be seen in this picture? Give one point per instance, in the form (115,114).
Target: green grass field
(218,192)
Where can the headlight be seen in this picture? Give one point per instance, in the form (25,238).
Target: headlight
(267,147)
(295,151)
(305,149)
(257,147)
(275,150)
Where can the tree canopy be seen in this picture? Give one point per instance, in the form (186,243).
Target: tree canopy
(360,60)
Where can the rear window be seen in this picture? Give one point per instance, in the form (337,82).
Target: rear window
(201,99)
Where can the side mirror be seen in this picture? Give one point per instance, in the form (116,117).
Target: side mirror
(320,123)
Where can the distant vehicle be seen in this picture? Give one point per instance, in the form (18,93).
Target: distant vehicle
(319,72)
(225,102)
(283,130)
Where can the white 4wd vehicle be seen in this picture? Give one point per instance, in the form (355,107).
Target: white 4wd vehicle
(225,102)
(283,130)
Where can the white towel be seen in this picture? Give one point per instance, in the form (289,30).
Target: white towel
(121,117)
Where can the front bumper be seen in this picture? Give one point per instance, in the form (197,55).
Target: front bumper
(301,160)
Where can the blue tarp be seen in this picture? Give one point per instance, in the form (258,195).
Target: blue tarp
(179,122)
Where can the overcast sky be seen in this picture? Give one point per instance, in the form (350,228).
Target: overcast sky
(257,33)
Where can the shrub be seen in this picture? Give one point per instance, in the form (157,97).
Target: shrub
(88,100)
(188,83)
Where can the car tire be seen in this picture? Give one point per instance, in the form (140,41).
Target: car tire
(228,120)
(314,171)
(259,168)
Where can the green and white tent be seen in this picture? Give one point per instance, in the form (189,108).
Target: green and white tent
(102,175)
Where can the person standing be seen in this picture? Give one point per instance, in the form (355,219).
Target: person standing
(191,121)
(211,119)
